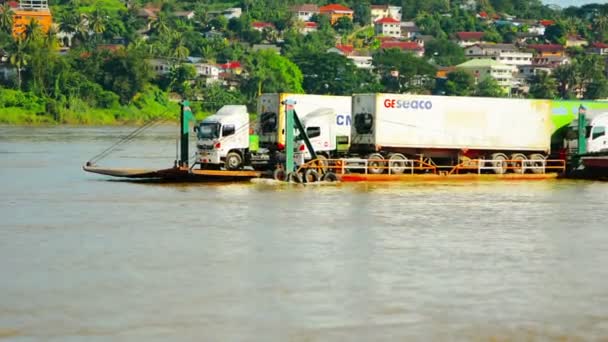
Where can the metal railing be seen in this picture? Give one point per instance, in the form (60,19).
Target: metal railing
(413,166)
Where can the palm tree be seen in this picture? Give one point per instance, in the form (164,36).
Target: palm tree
(98,21)
(161,24)
(19,58)
(82,29)
(6,18)
(33,30)
(50,39)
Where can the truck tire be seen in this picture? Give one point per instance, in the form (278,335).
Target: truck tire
(294,177)
(279,174)
(233,161)
(397,163)
(538,160)
(376,166)
(330,177)
(499,163)
(517,163)
(311,176)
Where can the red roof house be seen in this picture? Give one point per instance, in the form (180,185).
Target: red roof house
(412,47)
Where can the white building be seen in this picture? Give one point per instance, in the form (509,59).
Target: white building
(388,27)
(482,68)
(305,12)
(159,66)
(507,54)
(383,11)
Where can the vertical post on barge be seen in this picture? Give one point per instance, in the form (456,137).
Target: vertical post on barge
(289,136)
(582,130)
(185,118)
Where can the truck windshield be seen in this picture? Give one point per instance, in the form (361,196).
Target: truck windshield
(209,130)
(269,122)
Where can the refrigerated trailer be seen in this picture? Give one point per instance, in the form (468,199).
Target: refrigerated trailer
(447,130)
(271,114)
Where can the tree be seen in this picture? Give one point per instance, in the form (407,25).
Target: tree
(33,30)
(489,87)
(270,72)
(328,73)
(343,25)
(403,72)
(362,13)
(597,89)
(216,96)
(567,79)
(98,21)
(19,58)
(125,74)
(444,52)
(6,18)
(556,33)
(543,86)
(459,83)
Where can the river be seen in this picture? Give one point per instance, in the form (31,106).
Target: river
(86,258)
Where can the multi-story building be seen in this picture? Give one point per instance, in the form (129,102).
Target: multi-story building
(382,11)
(507,54)
(483,68)
(548,50)
(336,11)
(28,10)
(388,26)
(599,48)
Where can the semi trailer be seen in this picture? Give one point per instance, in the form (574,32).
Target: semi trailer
(448,130)
(271,114)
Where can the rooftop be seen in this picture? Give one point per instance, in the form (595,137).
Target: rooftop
(334,8)
(480,63)
(387,20)
(305,8)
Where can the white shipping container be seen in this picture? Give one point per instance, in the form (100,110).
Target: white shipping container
(271,113)
(444,122)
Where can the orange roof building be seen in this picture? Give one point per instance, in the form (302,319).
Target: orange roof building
(336,11)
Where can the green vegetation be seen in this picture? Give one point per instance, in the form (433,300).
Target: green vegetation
(107,75)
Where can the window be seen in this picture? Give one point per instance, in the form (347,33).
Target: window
(598,131)
(364,123)
(268,122)
(313,132)
(227,130)
(208,130)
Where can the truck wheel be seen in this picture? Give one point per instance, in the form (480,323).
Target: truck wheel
(377,165)
(279,174)
(397,163)
(294,177)
(330,177)
(233,161)
(311,176)
(499,163)
(517,164)
(538,162)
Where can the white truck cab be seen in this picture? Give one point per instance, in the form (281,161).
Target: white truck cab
(596,134)
(327,132)
(223,138)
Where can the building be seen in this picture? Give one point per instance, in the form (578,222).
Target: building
(383,11)
(28,10)
(544,64)
(261,25)
(548,50)
(598,48)
(159,66)
(187,15)
(388,26)
(209,72)
(575,41)
(361,61)
(336,11)
(229,13)
(507,54)
(409,30)
(482,68)
(411,47)
(309,26)
(305,12)
(465,39)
